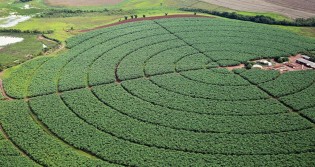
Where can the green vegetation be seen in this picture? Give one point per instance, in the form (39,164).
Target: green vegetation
(1,97)
(156,93)
(258,76)
(61,23)
(290,83)
(281,59)
(19,52)
(256,18)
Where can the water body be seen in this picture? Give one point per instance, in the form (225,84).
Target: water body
(6,40)
(12,20)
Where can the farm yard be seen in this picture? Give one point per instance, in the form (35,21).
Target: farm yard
(290,8)
(157,93)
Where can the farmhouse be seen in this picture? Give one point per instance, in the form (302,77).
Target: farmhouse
(306,62)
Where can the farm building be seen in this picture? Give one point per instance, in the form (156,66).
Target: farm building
(306,63)
(305,57)
(257,66)
(265,62)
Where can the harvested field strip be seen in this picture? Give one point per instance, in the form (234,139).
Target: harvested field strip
(78,3)
(269,6)
(304,5)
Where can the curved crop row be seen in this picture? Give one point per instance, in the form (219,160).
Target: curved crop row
(155,93)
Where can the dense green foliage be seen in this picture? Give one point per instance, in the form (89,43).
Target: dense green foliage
(64,12)
(309,113)
(25,0)
(258,76)
(39,145)
(1,96)
(289,83)
(16,86)
(156,93)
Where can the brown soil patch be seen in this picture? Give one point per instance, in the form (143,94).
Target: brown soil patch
(291,8)
(292,65)
(146,18)
(82,2)
(303,5)
(230,68)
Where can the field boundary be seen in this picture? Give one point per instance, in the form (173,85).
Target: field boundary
(283,103)
(18,148)
(2,91)
(145,18)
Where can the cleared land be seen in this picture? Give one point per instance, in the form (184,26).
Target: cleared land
(290,8)
(81,2)
(153,93)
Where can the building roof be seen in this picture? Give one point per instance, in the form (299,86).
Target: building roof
(306,57)
(306,62)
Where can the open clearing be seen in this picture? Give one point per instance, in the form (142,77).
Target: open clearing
(154,93)
(290,8)
(81,2)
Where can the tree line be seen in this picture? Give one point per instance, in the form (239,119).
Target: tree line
(309,22)
(27,31)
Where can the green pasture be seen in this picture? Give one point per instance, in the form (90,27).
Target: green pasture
(14,54)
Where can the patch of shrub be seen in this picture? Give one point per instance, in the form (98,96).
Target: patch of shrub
(310,22)
(281,59)
(249,65)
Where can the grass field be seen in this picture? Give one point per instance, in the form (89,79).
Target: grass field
(21,51)
(62,26)
(156,93)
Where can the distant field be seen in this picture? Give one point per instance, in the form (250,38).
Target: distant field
(290,8)
(81,2)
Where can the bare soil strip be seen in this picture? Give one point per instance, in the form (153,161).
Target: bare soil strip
(81,2)
(146,18)
(291,8)
(304,5)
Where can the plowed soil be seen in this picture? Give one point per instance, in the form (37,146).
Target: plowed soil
(290,8)
(81,2)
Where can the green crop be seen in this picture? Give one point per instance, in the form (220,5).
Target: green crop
(157,93)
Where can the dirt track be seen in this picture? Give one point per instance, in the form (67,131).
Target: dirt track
(81,2)
(290,8)
(3,92)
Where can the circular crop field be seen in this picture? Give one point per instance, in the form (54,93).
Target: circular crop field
(156,93)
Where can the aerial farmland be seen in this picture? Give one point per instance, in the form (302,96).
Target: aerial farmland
(157,83)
